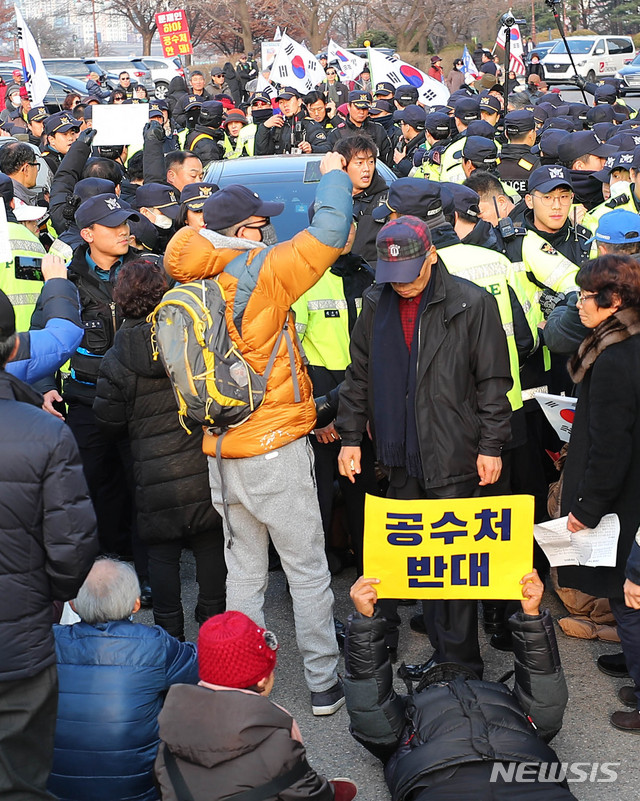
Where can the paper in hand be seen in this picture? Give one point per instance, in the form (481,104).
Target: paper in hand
(591,547)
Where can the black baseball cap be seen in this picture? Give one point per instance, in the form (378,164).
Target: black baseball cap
(286,93)
(103,210)
(480,150)
(625,140)
(60,123)
(583,143)
(622,161)
(7,317)
(437,123)
(381,106)
(146,234)
(519,122)
(384,88)
(158,196)
(194,196)
(605,94)
(260,96)
(418,197)
(467,109)
(465,199)
(481,128)
(193,101)
(406,94)
(402,247)
(548,144)
(156,109)
(549,177)
(234,203)
(603,113)
(360,99)
(90,187)
(412,115)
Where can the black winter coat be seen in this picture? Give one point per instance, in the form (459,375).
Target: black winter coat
(460,721)
(363,205)
(177,90)
(48,537)
(370,128)
(134,397)
(205,143)
(602,471)
(462,379)
(272,141)
(67,176)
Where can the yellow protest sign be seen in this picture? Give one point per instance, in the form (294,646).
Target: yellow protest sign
(460,548)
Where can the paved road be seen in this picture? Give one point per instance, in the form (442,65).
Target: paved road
(586,736)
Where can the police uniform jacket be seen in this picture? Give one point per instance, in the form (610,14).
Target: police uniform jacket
(404,167)
(372,129)
(456,722)
(52,157)
(179,115)
(296,129)
(516,165)
(205,143)
(463,377)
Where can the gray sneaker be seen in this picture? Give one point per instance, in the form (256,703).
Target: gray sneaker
(328,701)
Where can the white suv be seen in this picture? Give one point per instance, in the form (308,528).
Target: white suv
(162,71)
(594,57)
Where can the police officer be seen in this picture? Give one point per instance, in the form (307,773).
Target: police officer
(205,140)
(412,125)
(188,118)
(384,91)
(291,131)
(490,109)
(405,95)
(358,122)
(160,205)
(623,165)
(317,109)
(382,112)
(437,138)
(60,132)
(516,160)
(35,123)
(465,110)
(583,153)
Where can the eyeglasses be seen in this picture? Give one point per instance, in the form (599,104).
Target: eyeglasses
(331,73)
(125,78)
(35,164)
(585,296)
(565,199)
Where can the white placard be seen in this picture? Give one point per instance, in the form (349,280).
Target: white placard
(592,547)
(120,125)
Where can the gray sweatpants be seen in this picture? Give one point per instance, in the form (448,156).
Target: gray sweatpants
(274,495)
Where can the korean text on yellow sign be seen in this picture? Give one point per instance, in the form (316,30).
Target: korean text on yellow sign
(460,548)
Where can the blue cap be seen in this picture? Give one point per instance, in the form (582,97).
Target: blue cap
(60,123)
(193,101)
(158,196)
(194,196)
(418,197)
(90,187)
(406,94)
(103,210)
(549,177)
(618,227)
(412,115)
(583,143)
(480,150)
(481,128)
(233,204)
(467,201)
(287,92)
(360,99)
(467,109)
(402,246)
(146,234)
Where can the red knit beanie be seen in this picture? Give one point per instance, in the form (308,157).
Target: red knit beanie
(235,652)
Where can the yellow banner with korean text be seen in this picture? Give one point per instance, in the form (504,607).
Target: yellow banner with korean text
(459,548)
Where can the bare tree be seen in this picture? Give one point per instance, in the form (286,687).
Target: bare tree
(141,15)
(52,42)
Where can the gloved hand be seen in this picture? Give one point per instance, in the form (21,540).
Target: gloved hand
(579,81)
(153,130)
(549,300)
(87,136)
(326,408)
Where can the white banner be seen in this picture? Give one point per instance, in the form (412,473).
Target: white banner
(349,65)
(296,66)
(516,59)
(268,51)
(397,72)
(35,75)
(120,125)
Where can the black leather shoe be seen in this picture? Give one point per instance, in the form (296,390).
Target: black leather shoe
(146,598)
(416,623)
(627,695)
(415,672)
(502,641)
(613,665)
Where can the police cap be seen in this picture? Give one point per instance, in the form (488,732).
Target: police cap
(60,123)
(406,94)
(480,150)
(519,122)
(360,99)
(549,177)
(467,109)
(158,196)
(481,128)
(416,196)
(105,210)
(437,123)
(583,143)
(467,201)
(490,104)
(287,92)
(194,196)
(384,88)
(37,114)
(412,115)
(603,113)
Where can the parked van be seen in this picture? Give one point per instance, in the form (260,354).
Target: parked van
(594,57)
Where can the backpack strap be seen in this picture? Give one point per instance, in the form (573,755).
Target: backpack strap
(273,788)
(199,138)
(175,776)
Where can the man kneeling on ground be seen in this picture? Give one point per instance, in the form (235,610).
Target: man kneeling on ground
(457,737)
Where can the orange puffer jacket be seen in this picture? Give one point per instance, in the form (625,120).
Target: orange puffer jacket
(260,285)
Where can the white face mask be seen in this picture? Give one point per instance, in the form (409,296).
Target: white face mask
(162,221)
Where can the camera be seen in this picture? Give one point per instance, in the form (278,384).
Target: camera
(508,20)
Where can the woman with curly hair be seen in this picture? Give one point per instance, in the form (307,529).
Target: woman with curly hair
(602,471)
(173,503)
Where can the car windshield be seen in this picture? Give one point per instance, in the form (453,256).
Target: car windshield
(636,61)
(285,188)
(579,47)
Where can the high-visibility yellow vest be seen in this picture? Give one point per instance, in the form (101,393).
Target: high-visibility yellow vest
(22,294)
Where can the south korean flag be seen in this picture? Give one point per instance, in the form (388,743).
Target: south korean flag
(296,66)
